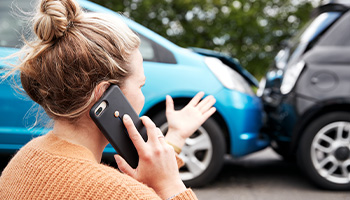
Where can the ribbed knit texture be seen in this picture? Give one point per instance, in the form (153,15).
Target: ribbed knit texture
(51,168)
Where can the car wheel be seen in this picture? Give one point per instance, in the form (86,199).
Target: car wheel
(203,152)
(324,151)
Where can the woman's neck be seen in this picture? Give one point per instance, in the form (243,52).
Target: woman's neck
(84,132)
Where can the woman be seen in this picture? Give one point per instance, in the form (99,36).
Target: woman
(66,69)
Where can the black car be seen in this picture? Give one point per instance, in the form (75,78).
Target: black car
(306,96)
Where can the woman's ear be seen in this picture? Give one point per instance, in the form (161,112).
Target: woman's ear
(100,89)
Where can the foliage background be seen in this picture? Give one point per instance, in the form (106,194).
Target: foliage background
(250,30)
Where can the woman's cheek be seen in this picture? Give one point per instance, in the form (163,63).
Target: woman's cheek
(141,103)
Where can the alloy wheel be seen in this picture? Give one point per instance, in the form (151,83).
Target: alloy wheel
(330,152)
(196,153)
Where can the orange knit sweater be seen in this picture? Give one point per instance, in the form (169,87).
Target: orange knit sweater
(51,168)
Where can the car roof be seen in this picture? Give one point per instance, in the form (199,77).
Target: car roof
(190,59)
(342,2)
(132,24)
(330,7)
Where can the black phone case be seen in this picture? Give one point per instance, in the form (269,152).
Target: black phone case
(113,128)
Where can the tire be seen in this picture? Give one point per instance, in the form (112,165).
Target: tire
(324,151)
(204,160)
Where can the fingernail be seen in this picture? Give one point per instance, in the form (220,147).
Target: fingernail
(126,117)
(116,158)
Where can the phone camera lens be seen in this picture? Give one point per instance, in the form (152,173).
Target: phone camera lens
(99,110)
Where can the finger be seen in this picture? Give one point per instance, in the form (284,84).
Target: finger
(152,131)
(194,101)
(124,166)
(169,104)
(206,103)
(134,135)
(209,113)
(160,137)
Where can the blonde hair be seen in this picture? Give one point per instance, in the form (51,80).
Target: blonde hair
(72,52)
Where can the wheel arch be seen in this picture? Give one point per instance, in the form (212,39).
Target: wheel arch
(181,101)
(321,108)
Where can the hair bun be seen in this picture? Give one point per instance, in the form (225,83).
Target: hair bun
(54,17)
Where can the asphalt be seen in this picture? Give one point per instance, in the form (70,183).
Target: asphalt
(259,176)
(263,175)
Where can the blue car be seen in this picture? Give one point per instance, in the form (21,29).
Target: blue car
(170,70)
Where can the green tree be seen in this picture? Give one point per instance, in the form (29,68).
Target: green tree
(250,30)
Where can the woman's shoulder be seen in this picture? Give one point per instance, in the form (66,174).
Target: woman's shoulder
(36,172)
(106,182)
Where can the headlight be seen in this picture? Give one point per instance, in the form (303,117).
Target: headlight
(261,89)
(282,58)
(291,76)
(227,76)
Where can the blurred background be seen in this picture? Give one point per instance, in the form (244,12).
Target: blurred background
(253,31)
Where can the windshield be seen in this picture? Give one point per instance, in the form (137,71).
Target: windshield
(309,33)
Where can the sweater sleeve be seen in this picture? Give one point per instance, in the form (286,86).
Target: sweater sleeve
(187,194)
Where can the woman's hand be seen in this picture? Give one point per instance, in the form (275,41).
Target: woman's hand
(183,123)
(157,166)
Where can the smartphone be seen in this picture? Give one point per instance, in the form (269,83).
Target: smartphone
(108,114)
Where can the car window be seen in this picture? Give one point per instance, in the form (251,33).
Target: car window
(309,33)
(314,28)
(154,52)
(11,23)
(146,49)
(13,27)
(338,34)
